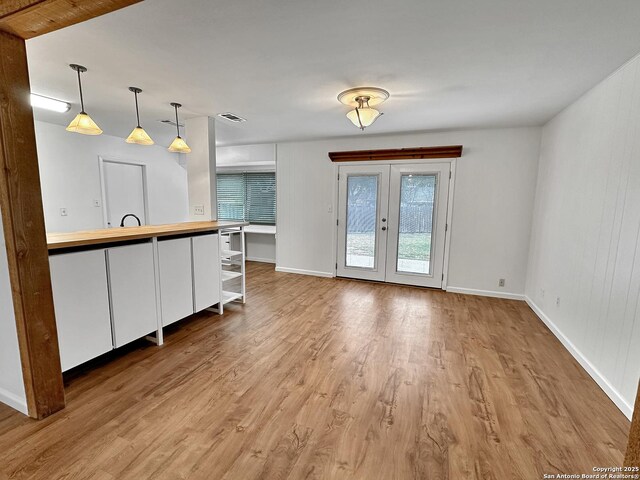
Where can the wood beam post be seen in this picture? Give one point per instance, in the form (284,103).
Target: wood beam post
(632,459)
(24,229)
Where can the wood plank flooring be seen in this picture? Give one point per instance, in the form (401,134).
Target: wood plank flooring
(318,378)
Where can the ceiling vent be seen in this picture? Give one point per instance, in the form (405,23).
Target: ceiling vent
(232,117)
(172,123)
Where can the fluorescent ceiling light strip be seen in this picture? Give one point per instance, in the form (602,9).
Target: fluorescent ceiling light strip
(49,103)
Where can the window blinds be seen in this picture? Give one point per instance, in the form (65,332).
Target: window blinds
(249,196)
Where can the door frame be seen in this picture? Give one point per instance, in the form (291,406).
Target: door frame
(103,191)
(447,240)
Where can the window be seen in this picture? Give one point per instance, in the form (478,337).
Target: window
(249,196)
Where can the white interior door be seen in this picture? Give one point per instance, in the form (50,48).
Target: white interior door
(392,222)
(417,224)
(124,193)
(362,217)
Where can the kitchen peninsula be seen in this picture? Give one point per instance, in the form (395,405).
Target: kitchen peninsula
(113,286)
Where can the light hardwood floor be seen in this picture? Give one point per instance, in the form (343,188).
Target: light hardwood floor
(319,378)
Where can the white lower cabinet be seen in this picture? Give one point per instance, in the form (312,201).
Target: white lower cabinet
(206,271)
(133,292)
(176,282)
(81,299)
(106,298)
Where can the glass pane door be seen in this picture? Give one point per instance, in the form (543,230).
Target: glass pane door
(418,196)
(362,221)
(416,223)
(362,212)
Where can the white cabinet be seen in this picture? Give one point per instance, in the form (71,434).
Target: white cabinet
(206,271)
(81,299)
(176,282)
(133,292)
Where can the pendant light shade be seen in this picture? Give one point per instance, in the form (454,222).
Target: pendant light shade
(178,145)
(138,135)
(83,122)
(363,115)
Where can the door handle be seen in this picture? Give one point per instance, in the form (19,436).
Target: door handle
(384,219)
(384,228)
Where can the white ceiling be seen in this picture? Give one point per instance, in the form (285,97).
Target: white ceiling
(281,63)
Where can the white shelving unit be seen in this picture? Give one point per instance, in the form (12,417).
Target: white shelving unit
(232,256)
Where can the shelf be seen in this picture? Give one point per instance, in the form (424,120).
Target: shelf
(228,275)
(230,296)
(230,253)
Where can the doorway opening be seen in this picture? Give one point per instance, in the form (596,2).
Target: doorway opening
(124,192)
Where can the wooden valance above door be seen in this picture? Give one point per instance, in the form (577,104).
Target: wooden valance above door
(418,153)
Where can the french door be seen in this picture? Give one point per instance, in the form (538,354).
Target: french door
(392,222)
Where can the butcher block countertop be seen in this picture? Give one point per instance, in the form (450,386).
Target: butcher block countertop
(123,234)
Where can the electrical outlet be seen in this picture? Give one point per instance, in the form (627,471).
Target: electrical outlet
(96,203)
(557,301)
(542,292)
(63,212)
(501,282)
(198,209)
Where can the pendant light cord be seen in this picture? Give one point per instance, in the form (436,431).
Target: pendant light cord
(80,87)
(137,112)
(177,124)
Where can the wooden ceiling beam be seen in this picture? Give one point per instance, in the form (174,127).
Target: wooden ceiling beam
(31,18)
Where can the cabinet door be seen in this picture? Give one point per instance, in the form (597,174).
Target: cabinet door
(81,300)
(206,271)
(176,282)
(133,292)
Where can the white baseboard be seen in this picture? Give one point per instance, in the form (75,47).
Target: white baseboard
(602,382)
(485,293)
(261,260)
(304,272)
(13,401)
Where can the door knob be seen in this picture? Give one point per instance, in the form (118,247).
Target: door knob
(384,228)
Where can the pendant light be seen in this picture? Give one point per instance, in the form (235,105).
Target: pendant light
(363,115)
(138,135)
(178,145)
(363,99)
(83,122)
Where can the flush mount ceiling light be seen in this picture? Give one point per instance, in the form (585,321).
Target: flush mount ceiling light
(178,145)
(138,135)
(83,122)
(46,103)
(363,99)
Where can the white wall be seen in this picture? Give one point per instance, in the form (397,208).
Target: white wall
(261,247)
(585,237)
(493,203)
(11,383)
(246,157)
(70,178)
(201,169)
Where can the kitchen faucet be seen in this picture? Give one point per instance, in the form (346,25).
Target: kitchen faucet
(130,215)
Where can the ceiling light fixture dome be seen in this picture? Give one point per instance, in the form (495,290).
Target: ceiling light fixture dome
(363,99)
(178,145)
(82,123)
(138,135)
